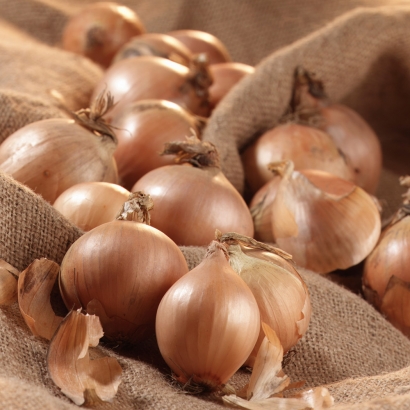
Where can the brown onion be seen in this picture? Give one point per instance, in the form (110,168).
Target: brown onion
(155,44)
(208,322)
(50,156)
(90,204)
(142,129)
(194,199)
(386,274)
(150,77)
(202,42)
(225,76)
(307,147)
(100,29)
(120,271)
(350,132)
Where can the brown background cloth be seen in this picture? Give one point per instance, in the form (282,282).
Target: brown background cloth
(362,55)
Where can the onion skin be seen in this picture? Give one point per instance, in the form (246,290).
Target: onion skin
(91,204)
(150,77)
(202,42)
(357,140)
(120,271)
(307,147)
(142,129)
(190,203)
(225,76)
(207,323)
(99,30)
(324,222)
(155,44)
(50,156)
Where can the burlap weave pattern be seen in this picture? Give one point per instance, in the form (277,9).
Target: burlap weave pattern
(363,58)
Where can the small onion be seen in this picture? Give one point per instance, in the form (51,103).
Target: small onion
(386,274)
(100,29)
(324,222)
(307,147)
(202,42)
(150,77)
(208,322)
(194,199)
(90,204)
(50,156)
(120,271)
(155,44)
(142,130)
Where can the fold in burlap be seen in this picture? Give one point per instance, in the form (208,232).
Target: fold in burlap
(363,58)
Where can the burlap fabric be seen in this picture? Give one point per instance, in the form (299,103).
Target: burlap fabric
(363,57)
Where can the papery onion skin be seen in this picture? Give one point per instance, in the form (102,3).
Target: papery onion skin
(49,156)
(225,76)
(142,129)
(389,265)
(358,141)
(307,147)
(151,77)
(324,222)
(190,203)
(202,42)
(120,271)
(90,204)
(155,44)
(99,30)
(279,290)
(207,323)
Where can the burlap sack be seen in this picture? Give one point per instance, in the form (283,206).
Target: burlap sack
(363,59)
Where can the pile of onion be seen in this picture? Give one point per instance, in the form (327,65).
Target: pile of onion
(50,156)
(120,271)
(100,29)
(386,275)
(193,197)
(142,129)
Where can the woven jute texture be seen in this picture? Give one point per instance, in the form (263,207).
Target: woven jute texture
(362,55)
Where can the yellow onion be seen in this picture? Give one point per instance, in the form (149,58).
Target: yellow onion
(194,198)
(90,204)
(323,221)
(142,130)
(349,131)
(280,292)
(386,275)
(225,76)
(151,77)
(202,42)
(98,30)
(119,271)
(208,322)
(305,146)
(50,156)
(155,44)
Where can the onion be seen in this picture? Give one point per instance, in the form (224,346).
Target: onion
(225,76)
(155,44)
(202,42)
(142,129)
(386,274)
(208,322)
(323,221)
(194,199)
(100,29)
(149,77)
(307,147)
(50,156)
(350,132)
(119,271)
(90,204)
